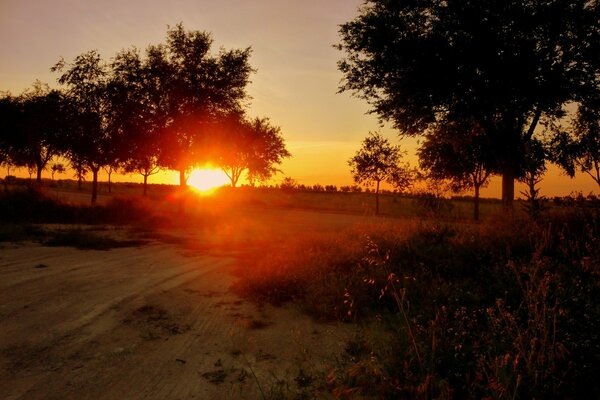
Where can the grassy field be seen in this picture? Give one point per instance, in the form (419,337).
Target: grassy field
(442,307)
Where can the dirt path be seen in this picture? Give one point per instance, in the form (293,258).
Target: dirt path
(150,322)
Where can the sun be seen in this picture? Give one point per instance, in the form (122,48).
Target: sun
(206,180)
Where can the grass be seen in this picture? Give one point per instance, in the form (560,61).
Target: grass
(28,215)
(505,309)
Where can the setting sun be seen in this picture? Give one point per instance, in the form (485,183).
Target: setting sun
(207,179)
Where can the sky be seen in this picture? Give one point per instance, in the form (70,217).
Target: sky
(295,85)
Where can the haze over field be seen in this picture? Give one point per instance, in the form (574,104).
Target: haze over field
(295,84)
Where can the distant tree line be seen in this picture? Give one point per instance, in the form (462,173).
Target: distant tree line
(174,106)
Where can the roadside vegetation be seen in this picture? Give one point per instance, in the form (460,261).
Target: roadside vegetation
(503,310)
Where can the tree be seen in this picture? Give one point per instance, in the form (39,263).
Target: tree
(10,116)
(534,169)
(89,140)
(254,147)
(135,118)
(42,128)
(57,168)
(378,160)
(578,148)
(34,127)
(504,64)
(144,161)
(460,158)
(197,90)
(80,169)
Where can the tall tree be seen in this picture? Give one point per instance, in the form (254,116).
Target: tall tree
(457,156)
(198,89)
(42,128)
(255,147)
(505,64)
(89,139)
(135,116)
(377,161)
(32,127)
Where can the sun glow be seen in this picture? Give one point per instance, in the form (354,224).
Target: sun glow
(206,180)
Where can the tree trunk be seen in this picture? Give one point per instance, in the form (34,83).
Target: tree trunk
(476,204)
(79,182)
(377,199)
(39,173)
(508,188)
(94,185)
(145,183)
(109,183)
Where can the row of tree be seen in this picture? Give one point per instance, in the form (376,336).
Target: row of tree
(174,106)
(488,84)
(457,165)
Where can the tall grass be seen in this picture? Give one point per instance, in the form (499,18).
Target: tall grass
(503,310)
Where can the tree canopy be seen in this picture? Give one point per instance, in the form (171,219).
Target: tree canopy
(89,141)
(505,65)
(197,89)
(377,161)
(578,148)
(457,152)
(252,146)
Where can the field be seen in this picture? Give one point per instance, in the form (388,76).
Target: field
(267,294)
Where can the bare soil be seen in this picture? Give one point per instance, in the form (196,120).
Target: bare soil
(158,321)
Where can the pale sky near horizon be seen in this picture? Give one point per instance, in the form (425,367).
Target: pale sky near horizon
(295,85)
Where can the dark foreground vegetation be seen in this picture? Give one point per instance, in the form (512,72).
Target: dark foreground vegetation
(503,310)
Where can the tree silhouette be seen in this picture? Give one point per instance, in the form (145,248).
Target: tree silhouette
(533,171)
(42,128)
(378,160)
(255,147)
(10,116)
(198,90)
(504,64)
(33,127)
(135,118)
(88,142)
(457,156)
(578,148)
(57,168)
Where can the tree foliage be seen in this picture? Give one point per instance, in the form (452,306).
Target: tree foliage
(197,89)
(89,142)
(378,161)
(578,148)
(33,128)
(502,64)
(457,152)
(252,146)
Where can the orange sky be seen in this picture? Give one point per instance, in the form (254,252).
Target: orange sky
(295,85)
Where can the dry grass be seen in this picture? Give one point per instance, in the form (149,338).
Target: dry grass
(507,309)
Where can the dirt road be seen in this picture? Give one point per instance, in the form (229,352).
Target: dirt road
(156,321)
